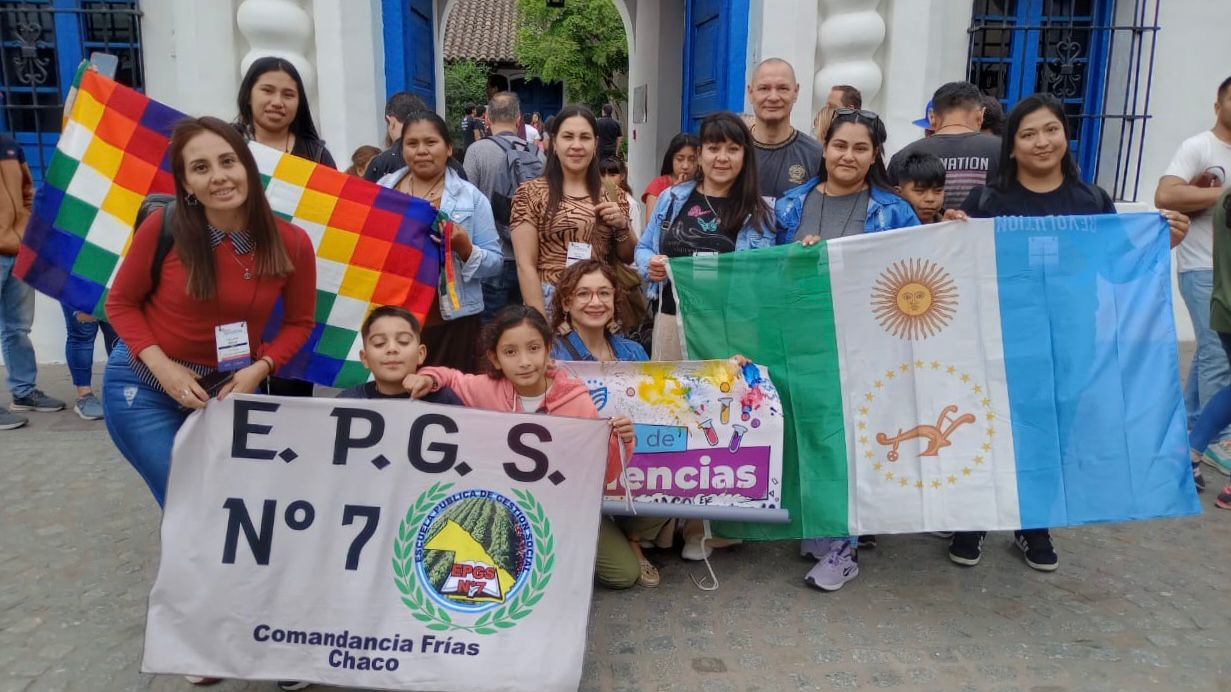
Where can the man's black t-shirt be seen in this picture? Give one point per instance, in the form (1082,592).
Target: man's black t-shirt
(391,161)
(608,132)
(970,160)
(1072,197)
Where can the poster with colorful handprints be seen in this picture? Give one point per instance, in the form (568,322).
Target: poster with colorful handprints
(709,433)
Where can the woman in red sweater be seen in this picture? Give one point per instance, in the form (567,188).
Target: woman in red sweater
(195,331)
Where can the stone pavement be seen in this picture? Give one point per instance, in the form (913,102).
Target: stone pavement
(1133,607)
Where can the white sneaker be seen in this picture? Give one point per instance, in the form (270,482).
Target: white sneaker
(836,569)
(694,550)
(814,548)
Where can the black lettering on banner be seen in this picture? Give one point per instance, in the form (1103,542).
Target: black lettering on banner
(448,452)
(242,429)
(260,542)
(516,433)
(371,515)
(300,514)
(343,441)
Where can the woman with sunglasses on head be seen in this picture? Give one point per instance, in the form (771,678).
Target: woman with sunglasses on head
(856,196)
(564,216)
(450,333)
(585,317)
(1039,177)
(232,260)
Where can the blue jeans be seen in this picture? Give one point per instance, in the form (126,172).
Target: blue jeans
(79,346)
(1209,372)
(501,290)
(1217,413)
(16,318)
(141,420)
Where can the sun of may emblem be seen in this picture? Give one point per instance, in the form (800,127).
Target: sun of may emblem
(914,299)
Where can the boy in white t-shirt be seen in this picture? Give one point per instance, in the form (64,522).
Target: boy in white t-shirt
(1192,184)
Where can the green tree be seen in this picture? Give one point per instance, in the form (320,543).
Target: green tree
(465,82)
(581,44)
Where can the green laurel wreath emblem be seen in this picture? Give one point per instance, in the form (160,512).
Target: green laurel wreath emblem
(491,622)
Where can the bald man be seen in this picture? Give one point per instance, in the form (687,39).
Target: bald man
(786,157)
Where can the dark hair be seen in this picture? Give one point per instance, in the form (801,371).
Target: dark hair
(615,166)
(402,104)
(1222,88)
(390,311)
(851,98)
(499,81)
(921,168)
(470,108)
(877,176)
(745,206)
(607,110)
(189,223)
(301,125)
(431,117)
(361,158)
(1006,173)
(683,139)
(567,283)
(553,170)
(479,111)
(993,115)
(507,318)
(956,95)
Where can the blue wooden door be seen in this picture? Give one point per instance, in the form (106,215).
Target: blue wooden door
(715,52)
(410,48)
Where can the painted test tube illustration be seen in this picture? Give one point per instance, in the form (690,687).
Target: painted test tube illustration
(711,435)
(725,415)
(745,412)
(737,438)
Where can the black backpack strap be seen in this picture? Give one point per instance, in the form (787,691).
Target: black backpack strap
(166,239)
(567,343)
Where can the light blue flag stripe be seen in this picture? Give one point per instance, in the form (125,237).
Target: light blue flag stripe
(1093,369)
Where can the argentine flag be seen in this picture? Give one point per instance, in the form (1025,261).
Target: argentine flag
(980,375)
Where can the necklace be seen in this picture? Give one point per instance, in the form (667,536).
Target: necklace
(850,215)
(246,268)
(430,195)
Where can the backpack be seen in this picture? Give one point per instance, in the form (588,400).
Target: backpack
(166,238)
(524,164)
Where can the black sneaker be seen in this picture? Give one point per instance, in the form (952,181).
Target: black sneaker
(966,548)
(36,400)
(867,540)
(1198,477)
(1037,549)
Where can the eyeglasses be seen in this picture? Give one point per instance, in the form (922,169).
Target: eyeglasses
(585,295)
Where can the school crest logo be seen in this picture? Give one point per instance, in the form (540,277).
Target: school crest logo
(473,553)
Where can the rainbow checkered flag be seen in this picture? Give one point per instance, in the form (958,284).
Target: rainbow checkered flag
(373,245)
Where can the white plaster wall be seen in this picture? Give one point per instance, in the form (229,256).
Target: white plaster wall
(350,48)
(658,64)
(787,30)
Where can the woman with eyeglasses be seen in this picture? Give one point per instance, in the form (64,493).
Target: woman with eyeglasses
(585,317)
(856,196)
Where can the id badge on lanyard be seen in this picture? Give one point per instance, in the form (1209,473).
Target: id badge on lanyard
(577,252)
(234,351)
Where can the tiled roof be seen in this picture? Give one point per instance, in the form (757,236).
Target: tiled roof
(484,30)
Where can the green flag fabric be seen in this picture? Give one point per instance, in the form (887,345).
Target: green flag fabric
(787,324)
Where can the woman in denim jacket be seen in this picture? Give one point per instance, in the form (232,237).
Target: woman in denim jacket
(450,334)
(856,190)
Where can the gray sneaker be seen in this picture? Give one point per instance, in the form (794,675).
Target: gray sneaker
(89,407)
(36,400)
(9,420)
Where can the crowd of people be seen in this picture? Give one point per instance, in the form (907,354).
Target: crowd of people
(558,258)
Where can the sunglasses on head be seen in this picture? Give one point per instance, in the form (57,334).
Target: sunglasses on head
(857,112)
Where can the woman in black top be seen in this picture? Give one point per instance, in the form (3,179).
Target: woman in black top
(1037,177)
(274,111)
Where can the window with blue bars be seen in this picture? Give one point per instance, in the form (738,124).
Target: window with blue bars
(41,44)
(1061,47)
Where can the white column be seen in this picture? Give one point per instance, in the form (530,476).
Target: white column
(848,37)
(195,76)
(282,28)
(351,75)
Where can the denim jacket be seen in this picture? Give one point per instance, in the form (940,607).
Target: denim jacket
(470,209)
(886,211)
(669,205)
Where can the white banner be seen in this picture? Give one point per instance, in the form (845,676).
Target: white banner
(383,544)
